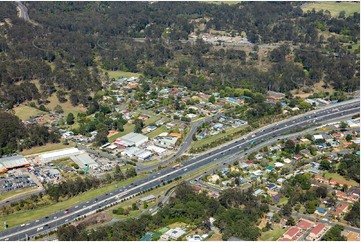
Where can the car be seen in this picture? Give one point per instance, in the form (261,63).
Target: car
(37,221)
(22,225)
(40,228)
(55,217)
(27,224)
(47,217)
(76,206)
(66,220)
(185,169)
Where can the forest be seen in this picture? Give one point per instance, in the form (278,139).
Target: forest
(189,207)
(69,57)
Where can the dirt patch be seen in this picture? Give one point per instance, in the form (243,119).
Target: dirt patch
(263,223)
(112,132)
(97,218)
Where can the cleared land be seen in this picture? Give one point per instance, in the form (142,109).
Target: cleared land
(340,178)
(274,234)
(25,112)
(157,132)
(6,195)
(127,129)
(44,148)
(334,7)
(119,74)
(210,139)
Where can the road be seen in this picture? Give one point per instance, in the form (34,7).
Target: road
(184,146)
(50,222)
(23,11)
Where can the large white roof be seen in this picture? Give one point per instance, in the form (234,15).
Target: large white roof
(60,153)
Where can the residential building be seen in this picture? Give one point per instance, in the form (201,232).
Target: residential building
(317,232)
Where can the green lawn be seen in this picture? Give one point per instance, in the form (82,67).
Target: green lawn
(25,112)
(119,74)
(210,139)
(152,119)
(340,178)
(283,201)
(157,132)
(6,195)
(274,234)
(45,148)
(127,129)
(334,7)
(19,218)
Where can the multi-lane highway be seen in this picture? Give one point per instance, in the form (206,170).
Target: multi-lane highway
(54,220)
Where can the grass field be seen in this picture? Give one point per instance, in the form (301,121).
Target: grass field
(157,132)
(127,129)
(334,7)
(6,195)
(340,178)
(67,107)
(151,119)
(283,201)
(19,218)
(210,139)
(44,148)
(274,234)
(119,74)
(25,112)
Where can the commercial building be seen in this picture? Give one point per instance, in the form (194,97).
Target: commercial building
(11,162)
(84,161)
(131,139)
(55,155)
(134,152)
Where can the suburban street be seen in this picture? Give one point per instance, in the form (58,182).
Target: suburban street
(52,221)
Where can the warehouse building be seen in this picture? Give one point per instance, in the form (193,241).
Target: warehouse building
(131,139)
(56,155)
(11,162)
(134,152)
(84,160)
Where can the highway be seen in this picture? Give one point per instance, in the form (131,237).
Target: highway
(52,221)
(184,146)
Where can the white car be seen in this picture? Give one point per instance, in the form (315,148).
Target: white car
(22,225)
(40,228)
(37,221)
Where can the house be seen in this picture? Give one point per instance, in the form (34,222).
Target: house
(297,157)
(270,168)
(178,135)
(275,95)
(270,215)
(317,137)
(321,211)
(281,180)
(173,234)
(305,152)
(243,181)
(303,224)
(279,164)
(287,161)
(271,186)
(292,233)
(340,210)
(317,232)
(258,192)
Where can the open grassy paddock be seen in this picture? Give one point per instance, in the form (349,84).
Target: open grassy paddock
(274,234)
(340,178)
(6,195)
(334,7)
(45,148)
(119,74)
(25,112)
(210,139)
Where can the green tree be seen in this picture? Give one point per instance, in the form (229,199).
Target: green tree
(135,206)
(212,99)
(58,109)
(101,138)
(138,126)
(70,119)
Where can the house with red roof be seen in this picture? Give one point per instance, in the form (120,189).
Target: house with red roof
(293,233)
(303,224)
(340,210)
(317,232)
(297,157)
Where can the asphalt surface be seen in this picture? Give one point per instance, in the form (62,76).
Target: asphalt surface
(50,222)
(184,146)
